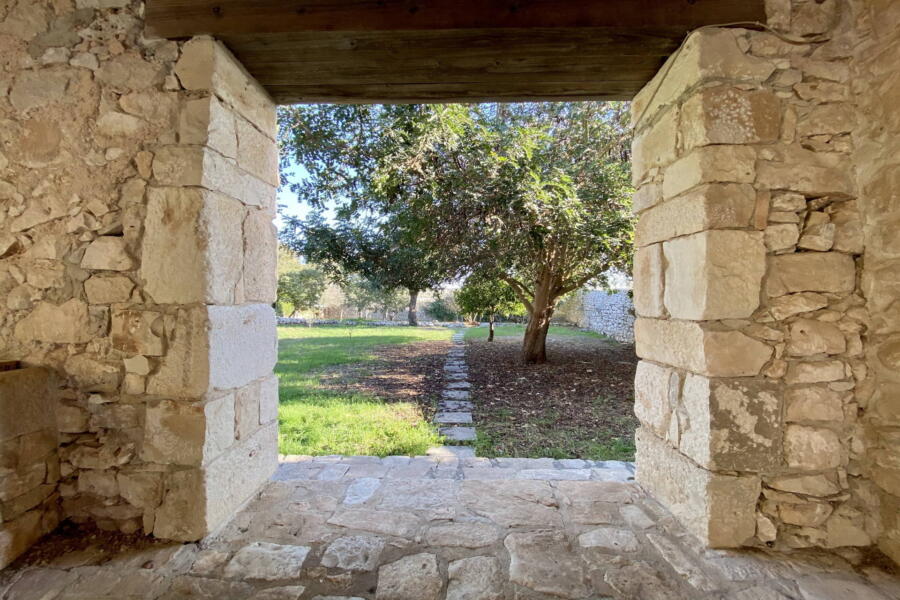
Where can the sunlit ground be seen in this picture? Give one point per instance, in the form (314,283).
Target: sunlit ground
(316,420)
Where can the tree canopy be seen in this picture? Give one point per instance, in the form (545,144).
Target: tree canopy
(489,296)
(538,193)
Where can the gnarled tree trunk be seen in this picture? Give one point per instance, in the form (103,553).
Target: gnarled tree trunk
(413,301)
(534,346)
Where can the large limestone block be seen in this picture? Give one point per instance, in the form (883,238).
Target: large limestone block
(206,121)
(728,115)
(656,391)
(812,174)
(200,166)
(648,275)
(184,370)
(197,501)
(242,344)
(714,274)
(715,206)
(71,322)
(732,425)
(810,272)
(699,348)
(27,403)
(655,145)
(192,246)
(710,164)
(138,332)
(809,337)
(107,253)
(707,55)
(260,257)
(207,65)
(813,403)
(812,448)
(188,433)
(718,509)
(257,153)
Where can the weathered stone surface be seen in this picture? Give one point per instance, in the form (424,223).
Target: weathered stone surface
(813,403)
(720,164)
(708,55)
(107,253)
(730,425)
(655,145)
(208,121)
(197,257)
(812,447)
(188,433)
(822,587)
(714,274)
(718,509)
(462,535)
(184,371)
(107,289)
(813,174)
(259,257)
(413,577)
(648,281)
(812,485)
(257,153)
(728,115)
(538,561)
(93,375)
(26,402)
(783,307)
(476,578)
(141,489)
(815,372)
(807,514)
(353,553)
(377,521)
(697,348)
(271,562)
(656,391)
(782,237)
(715,206)
(809,337)
(68,323)
(811,272)
(361,490)
(137,332)
(512,503)
(242,344)
(640,580)
(610,539)
(287,592)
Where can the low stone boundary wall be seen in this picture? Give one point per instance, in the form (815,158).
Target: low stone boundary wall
(611,314)
(323,322)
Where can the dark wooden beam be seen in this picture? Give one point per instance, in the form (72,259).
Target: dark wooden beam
(183,18)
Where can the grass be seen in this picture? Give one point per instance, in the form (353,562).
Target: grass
(481,333)
(318,421)
(555,445)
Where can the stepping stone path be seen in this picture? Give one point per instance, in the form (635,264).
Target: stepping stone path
(454,414)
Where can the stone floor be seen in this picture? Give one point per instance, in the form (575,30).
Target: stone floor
(397,528)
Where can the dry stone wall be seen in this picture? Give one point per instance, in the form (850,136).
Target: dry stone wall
(609,313)
(137,262)
(876,88)
(752,324)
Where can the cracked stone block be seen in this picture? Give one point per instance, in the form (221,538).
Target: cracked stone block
(458,434)
(271,562)
(453,417)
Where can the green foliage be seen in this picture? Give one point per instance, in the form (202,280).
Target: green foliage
(443,310)
(301,289)
(316,420)
(482,295)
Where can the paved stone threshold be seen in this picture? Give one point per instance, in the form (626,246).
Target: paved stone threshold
(403,528)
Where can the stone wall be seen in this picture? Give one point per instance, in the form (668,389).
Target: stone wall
(751,320)
(876,88)
(137,261)
(611,314)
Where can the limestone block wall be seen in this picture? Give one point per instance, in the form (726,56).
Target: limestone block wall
(752,324)
(29,461)
(876,88)
(611,314)
(137,253)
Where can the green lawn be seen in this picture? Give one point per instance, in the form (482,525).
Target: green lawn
(318,421)
(481,333)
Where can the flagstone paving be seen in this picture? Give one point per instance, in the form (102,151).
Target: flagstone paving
(454,411)
(443,527)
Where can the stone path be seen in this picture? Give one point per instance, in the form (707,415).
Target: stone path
(433,528)
(454,414)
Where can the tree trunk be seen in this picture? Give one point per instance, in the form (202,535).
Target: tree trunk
(413,301)
(491,328)
(534,346)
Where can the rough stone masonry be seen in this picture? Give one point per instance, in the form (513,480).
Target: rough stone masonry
(137,253)
(767,390)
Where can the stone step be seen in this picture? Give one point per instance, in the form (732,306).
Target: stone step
(456,375)
(453,418)
(456,394)
(458,385)
(458,434)
(455,405)
(451,452)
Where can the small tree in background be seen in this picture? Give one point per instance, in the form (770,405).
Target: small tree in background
(487,296)
(302,289)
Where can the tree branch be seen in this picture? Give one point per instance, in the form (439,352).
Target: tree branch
(520,290)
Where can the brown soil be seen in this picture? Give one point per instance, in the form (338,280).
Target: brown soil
(400,373)
(579,405)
